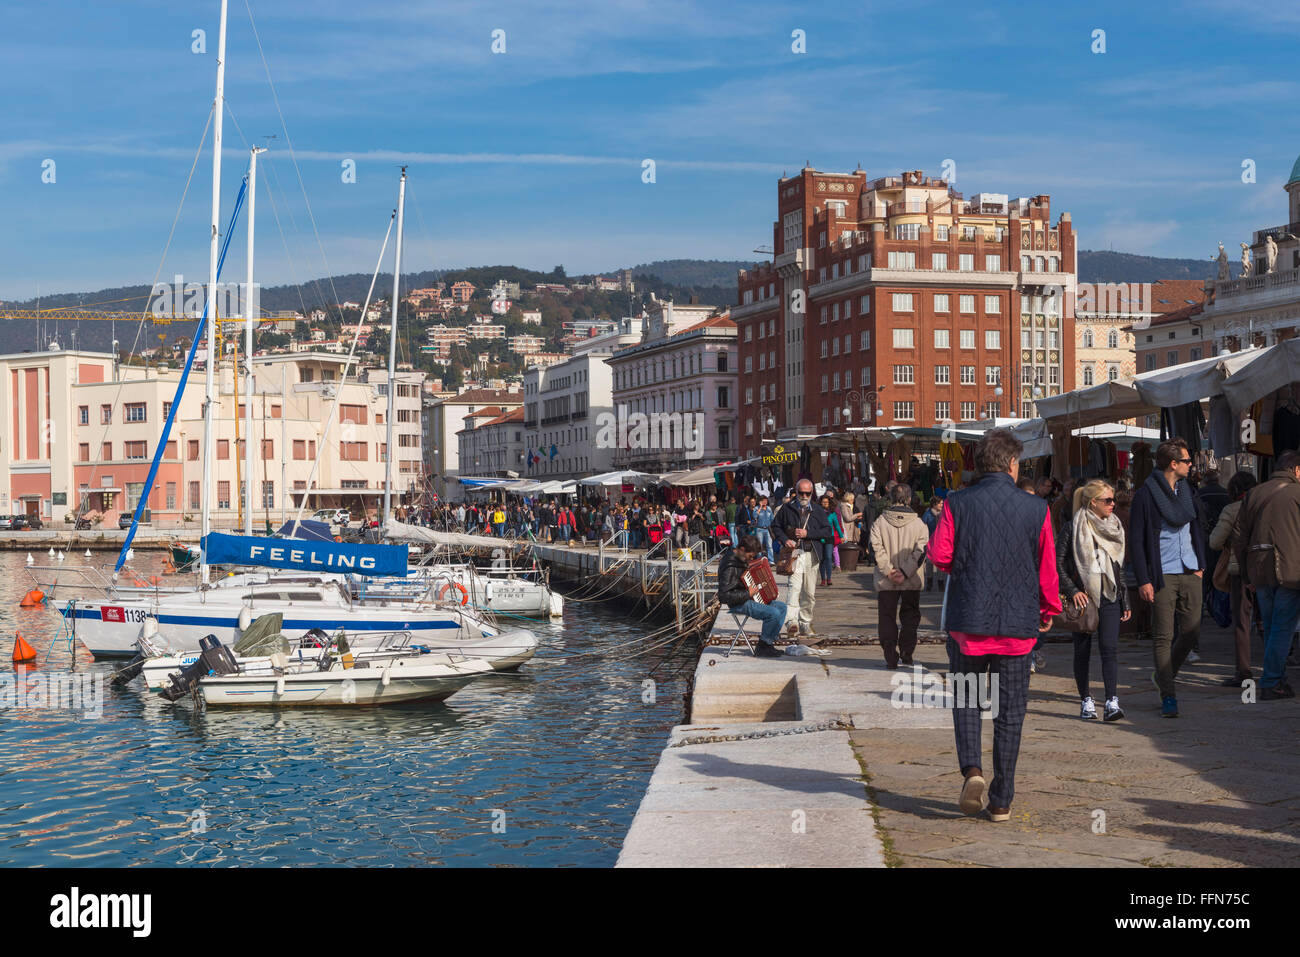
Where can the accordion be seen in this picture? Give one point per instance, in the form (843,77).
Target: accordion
(760,581)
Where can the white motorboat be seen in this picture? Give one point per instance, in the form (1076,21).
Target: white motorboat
(505,594)
(503,652)
(392,679)
(110,627)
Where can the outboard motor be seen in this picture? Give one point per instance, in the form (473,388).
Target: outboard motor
(214,658)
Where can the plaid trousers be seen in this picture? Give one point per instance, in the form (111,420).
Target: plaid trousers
(1013,699)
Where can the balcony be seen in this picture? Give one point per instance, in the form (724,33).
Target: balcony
(1277,232)
(555,419)
(1277,287)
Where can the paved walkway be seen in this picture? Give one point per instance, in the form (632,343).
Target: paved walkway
(1219,786)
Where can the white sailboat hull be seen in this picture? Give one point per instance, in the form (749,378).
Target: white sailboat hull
(397,682)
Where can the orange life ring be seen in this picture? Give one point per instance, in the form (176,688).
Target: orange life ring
(338,538)
(464,595)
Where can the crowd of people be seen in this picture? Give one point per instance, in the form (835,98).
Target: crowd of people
(1023,553)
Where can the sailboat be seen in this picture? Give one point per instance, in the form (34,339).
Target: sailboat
(314,596)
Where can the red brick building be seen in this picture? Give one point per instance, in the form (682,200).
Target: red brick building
(905,303)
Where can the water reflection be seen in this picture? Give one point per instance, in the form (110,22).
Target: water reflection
(543,767)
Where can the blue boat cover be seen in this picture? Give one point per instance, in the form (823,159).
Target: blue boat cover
(305,555)
(307,529)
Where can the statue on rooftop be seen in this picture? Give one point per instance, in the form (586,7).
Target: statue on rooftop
(1245,261)
(1270,253)
(1223,263)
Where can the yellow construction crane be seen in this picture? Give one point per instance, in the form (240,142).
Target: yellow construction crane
(77,315)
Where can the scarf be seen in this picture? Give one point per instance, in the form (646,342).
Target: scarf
(1175,510)
(1098,547)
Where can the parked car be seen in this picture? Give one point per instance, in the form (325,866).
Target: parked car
(124,520)
(333,516)
(34,523)
(7,522)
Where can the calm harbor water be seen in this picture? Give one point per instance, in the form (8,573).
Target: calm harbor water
(544,767)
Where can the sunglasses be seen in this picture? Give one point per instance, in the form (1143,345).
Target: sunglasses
(1105,501)
(805,494)
(1183,461)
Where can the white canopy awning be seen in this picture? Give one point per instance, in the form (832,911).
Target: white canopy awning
(688,477)
(1105,402)
(1251,377)
(626,477)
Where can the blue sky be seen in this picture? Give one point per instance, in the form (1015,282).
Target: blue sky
(533,156)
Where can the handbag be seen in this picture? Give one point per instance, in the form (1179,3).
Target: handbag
(1221,579)
(1083,620)
(785,564)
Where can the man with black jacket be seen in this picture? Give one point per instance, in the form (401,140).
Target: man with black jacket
(1268,554)
(733,593)
(801,525)
(1167,545)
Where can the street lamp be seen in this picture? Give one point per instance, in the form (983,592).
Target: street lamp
(984,414)
(862,399)
(766,423)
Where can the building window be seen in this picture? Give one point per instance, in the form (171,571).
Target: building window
(864,305)
(904,411)
(835,346)
(968,411)
(825,312)
(942,411)
(848,342)
(724,397)
(1195,354)
(865,339)
(105,414)
(1112,339)
(866,376)
(136,412)
(967,375)
(825,380)
(992,305)
(171,496)
(223,494)
(724,437)
(941,302)
(722,362)
(1087,375)
(825,349)
(1112,371)
(83,451)
(902,302)
(992,375)
(223,448)
(942,375)
(268,448)
(1024,263)
(967,338)
(902,260)
(1151,362)
(992,339)
(904,375)
(967,304)
(942,338)
(907,231)
(941,233)
(749,363)
(1171,358)
(994,410)
(903,339)
(835,382)
(195,501)
(939,261)
(1087,339)
(992,263)
(1053,376)
(83,415)
(106,452)
(966,262)
(268,495)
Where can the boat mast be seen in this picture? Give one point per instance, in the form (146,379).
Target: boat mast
(209,392)
(248,346)
(392,355)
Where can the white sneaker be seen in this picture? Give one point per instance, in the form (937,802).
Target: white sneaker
(1088,711)
(1113,711)
(1193,656)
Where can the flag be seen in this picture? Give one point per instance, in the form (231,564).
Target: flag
(554,451)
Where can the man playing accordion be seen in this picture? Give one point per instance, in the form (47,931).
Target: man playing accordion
(742,598)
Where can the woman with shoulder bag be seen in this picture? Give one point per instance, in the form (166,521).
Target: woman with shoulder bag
(1090,564)
(1227,576)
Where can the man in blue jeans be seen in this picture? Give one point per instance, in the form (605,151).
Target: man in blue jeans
(763,516)
(1268,554)
(734,593)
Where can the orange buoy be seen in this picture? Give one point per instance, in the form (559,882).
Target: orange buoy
(155,580)
(32,598)
(464,595)
(23,652)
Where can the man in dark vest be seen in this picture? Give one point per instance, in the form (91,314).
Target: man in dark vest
(996,544)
